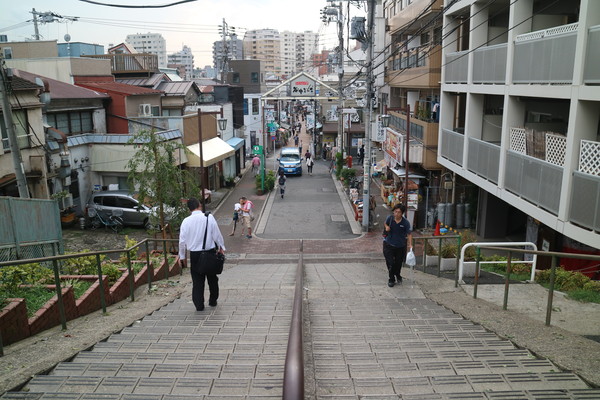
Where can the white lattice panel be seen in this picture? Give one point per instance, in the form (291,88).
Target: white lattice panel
(589,157)
(558,30)
(518,140)
(556,146)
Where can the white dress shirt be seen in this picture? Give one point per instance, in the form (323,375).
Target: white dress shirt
(191,233)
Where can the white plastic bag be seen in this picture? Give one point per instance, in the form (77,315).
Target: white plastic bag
(411,260)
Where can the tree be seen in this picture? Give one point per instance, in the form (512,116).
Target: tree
(159,181)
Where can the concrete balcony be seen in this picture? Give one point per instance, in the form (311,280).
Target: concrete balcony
(424,139)
(141,63)
(422,9)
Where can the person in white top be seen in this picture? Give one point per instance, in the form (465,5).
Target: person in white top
(191,237)
(237,210)
(247,215)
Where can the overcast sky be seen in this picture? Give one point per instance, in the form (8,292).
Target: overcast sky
(195,24)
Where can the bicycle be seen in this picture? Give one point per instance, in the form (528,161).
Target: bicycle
(113,220)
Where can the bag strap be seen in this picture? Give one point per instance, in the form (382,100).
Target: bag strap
(206,214)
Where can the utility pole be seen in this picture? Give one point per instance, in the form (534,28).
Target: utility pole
(225,51)
(340,21)
(369,124)
(35,24)
(12,136)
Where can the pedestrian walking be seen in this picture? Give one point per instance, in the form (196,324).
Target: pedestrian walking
(199,233)
(307,155)
(296,139)
(361,154)
(397,234)
(309,164)
(300,147)
(237,209)
(255,165)
(247,215)
(281,183)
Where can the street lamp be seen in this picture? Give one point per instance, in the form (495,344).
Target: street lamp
(222,125)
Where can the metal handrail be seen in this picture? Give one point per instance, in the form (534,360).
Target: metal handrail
(426,239)
(293,374)
(555,255)
(56,272)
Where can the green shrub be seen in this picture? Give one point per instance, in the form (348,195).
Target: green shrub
(112,271)
(129,242)
(269,181)
(81,265)
(79,286)
(465,238)
(25,274)
(347,174)
(564,280)
(339,162)
(592,286)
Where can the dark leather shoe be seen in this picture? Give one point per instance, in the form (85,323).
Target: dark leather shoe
(200,308)
(212,303)
(391,283)
(399,278)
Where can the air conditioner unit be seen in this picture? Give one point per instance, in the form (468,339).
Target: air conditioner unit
(145,110)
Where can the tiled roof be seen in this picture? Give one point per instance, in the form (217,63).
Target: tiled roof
(116,87)
(151,82)
(176,88)
(63,90)
(19,83)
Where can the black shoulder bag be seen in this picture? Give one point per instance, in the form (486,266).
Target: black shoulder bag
(212,260)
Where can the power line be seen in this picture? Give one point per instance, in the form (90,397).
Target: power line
(139,6)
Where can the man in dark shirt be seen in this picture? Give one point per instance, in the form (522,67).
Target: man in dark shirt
(397,234)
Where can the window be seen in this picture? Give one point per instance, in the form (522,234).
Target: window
(74,122)
(21,127)
(7,52)
(236,77)
(254,77)
(255,106)
(245,106)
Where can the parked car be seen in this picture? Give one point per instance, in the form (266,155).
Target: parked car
(134,212)
(290,161)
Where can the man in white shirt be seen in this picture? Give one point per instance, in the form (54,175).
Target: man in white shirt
(191,237)
(247,215)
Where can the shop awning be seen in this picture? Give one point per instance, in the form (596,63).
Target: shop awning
(235,142)
(213,151)
(401,172)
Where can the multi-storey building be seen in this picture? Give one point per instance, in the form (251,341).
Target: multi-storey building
(307,44)
(231,49)
(264,45)
(185,58)
(288,53)
(520,116)
(152,43)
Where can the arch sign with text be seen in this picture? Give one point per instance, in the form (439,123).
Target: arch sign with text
(302,86)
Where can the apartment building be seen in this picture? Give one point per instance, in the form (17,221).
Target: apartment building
(183,57)
(264,45)
(152,43)
(520,116)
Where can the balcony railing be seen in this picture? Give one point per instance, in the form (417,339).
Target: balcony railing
(484,159)
(457,67)
(127,63)
(535,180)
(546,56)
(584,210)
(592,57)
(489,64)
(452,146)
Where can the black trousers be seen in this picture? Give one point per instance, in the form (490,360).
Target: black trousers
(394,257)
(198,281)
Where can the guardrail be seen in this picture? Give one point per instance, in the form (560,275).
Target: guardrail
(56,270)
(439,239)
(497,244)
(554,255)
(293,374)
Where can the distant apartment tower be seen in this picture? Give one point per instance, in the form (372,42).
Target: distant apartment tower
(235,51)
(185,58)
(152,43)
(296,51)
(264,45)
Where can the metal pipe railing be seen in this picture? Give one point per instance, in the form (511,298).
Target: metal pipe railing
(293,374)
(56,273)
(555,256)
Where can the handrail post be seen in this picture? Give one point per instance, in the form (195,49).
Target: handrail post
(439,266)
(293,373)
(166,259)
(507,281)
(101,284)
(131,277)
(1,346)
(425,255)
(457,261)
(476,279)
(148,266)
(61,305)
(551,290)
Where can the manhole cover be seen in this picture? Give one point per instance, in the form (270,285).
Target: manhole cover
(338,218)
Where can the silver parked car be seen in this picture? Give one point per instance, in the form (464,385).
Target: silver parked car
(133,212)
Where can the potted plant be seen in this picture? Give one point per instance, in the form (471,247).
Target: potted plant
(449,250)
(431,254)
